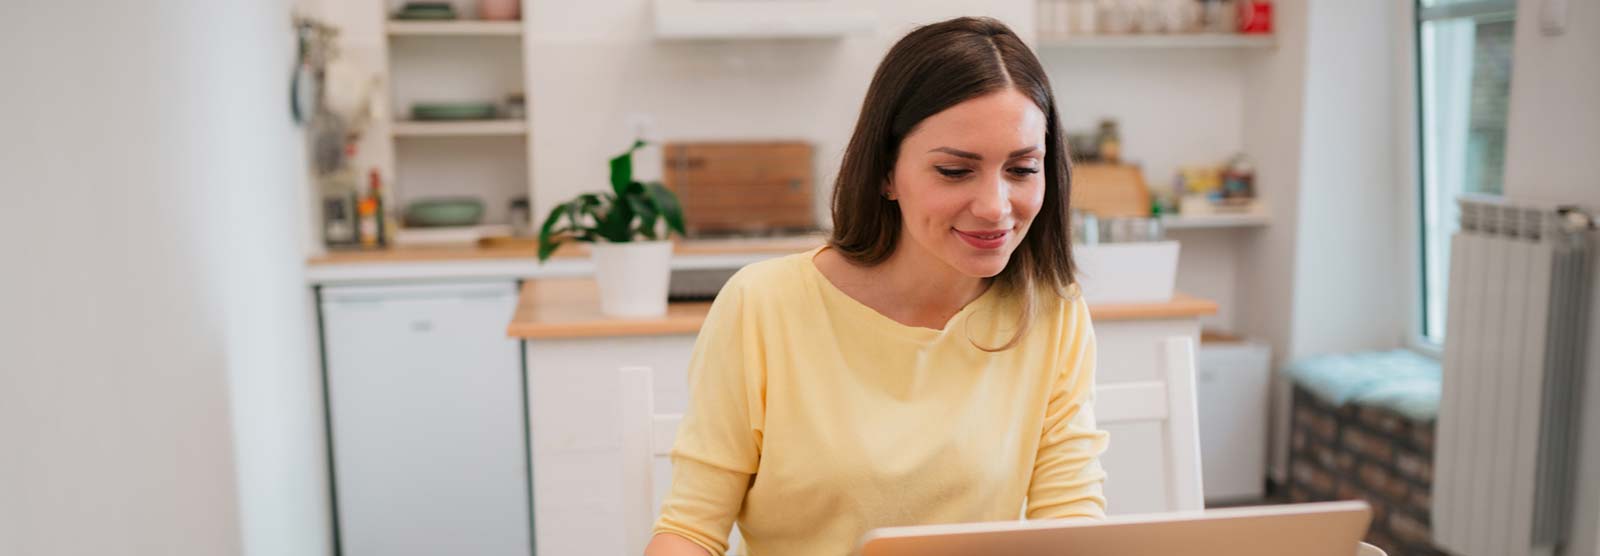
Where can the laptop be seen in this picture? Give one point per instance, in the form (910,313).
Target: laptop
(1316,529)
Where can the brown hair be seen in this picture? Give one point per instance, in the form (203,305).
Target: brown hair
(933,68)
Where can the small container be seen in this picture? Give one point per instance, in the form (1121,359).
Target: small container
(1109,142)
(1219,16)
(1131,229)
(1047,17)
(500,10)
(1255,17)
(1085,228)
(1182,16)
(1150,16)
(1062,24)
(1082,17)
(1116,17)
(516,107)
(521,217)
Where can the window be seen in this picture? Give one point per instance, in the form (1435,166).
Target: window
(1463,84)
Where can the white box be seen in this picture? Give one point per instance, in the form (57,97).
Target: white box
(1142,272)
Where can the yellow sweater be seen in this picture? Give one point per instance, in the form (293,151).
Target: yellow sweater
(813,418)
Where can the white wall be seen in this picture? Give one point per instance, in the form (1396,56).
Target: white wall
(1346,296)
(1552,143)
(594,66)
(1320,117)
(152,348)
(273,368)
(1275,93)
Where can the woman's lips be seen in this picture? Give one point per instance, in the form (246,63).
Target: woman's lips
(984,239)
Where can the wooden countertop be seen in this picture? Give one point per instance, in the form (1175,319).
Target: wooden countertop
(570,308)
(528,249)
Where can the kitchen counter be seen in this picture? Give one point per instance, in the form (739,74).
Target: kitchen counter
(570,308)
(529,249)
(517,259)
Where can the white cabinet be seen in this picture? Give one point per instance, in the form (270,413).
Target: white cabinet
(574,389)
(427,420)
(1231,385)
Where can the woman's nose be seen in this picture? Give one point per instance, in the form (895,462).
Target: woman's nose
(994,201)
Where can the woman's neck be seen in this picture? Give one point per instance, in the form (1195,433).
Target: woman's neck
(928,289)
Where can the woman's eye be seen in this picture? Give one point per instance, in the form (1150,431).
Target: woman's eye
(1023,171)
(952,172)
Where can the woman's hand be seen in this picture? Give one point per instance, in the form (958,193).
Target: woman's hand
(668,544)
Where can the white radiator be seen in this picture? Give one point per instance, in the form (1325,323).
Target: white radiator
(1504,458)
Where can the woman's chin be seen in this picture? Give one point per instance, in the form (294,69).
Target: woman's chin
(982,265)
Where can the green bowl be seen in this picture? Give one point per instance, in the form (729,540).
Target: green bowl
(444,212)
(453,111)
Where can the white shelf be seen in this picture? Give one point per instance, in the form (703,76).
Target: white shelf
(1212,221)
(454,28)
(1198,40)
(469,128)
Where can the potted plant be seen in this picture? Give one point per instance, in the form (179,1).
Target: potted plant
(626,229)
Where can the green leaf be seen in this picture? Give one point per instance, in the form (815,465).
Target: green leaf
(614,226)
(667,205)
(647,215)
(622,169)
(549,239)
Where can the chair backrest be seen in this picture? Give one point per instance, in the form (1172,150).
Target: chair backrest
(647,439)
(1168,402)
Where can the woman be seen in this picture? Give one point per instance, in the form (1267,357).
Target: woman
(932,363)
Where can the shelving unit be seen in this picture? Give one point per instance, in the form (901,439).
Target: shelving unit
(1202,40)
(483,128)
(1214,221)
(464,60)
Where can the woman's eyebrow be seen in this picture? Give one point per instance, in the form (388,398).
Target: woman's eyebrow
(976,156)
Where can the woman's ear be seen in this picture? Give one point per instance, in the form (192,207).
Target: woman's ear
(887,189)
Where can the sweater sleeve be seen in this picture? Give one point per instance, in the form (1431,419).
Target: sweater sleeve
(1067,478)
(718,444)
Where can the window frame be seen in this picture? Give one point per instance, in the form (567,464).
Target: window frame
(1414,197)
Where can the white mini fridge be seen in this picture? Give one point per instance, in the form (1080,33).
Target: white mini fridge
(1231,386)
(427,420)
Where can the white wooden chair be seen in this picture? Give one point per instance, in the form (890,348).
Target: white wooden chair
(1174,460)
(647,439)
(1170,401)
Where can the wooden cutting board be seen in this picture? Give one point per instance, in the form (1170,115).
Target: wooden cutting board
(742,187)
(1110,190)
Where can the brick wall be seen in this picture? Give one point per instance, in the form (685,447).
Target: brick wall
(1371,454)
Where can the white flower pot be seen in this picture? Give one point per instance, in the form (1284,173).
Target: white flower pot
(633,277)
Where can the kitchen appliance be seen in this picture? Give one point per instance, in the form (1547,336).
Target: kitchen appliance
(742,188)
(426,419)
(1231,384)
(339,221)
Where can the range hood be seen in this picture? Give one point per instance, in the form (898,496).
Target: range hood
(759,19)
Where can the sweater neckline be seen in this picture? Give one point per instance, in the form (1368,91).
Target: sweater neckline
(839,298)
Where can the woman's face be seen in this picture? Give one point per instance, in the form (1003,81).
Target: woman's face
(969,181)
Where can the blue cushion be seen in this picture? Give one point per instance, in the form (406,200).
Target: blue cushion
(1400,380)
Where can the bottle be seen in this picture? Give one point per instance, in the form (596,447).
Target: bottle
(367,215)
(380,236)
(1110,142)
